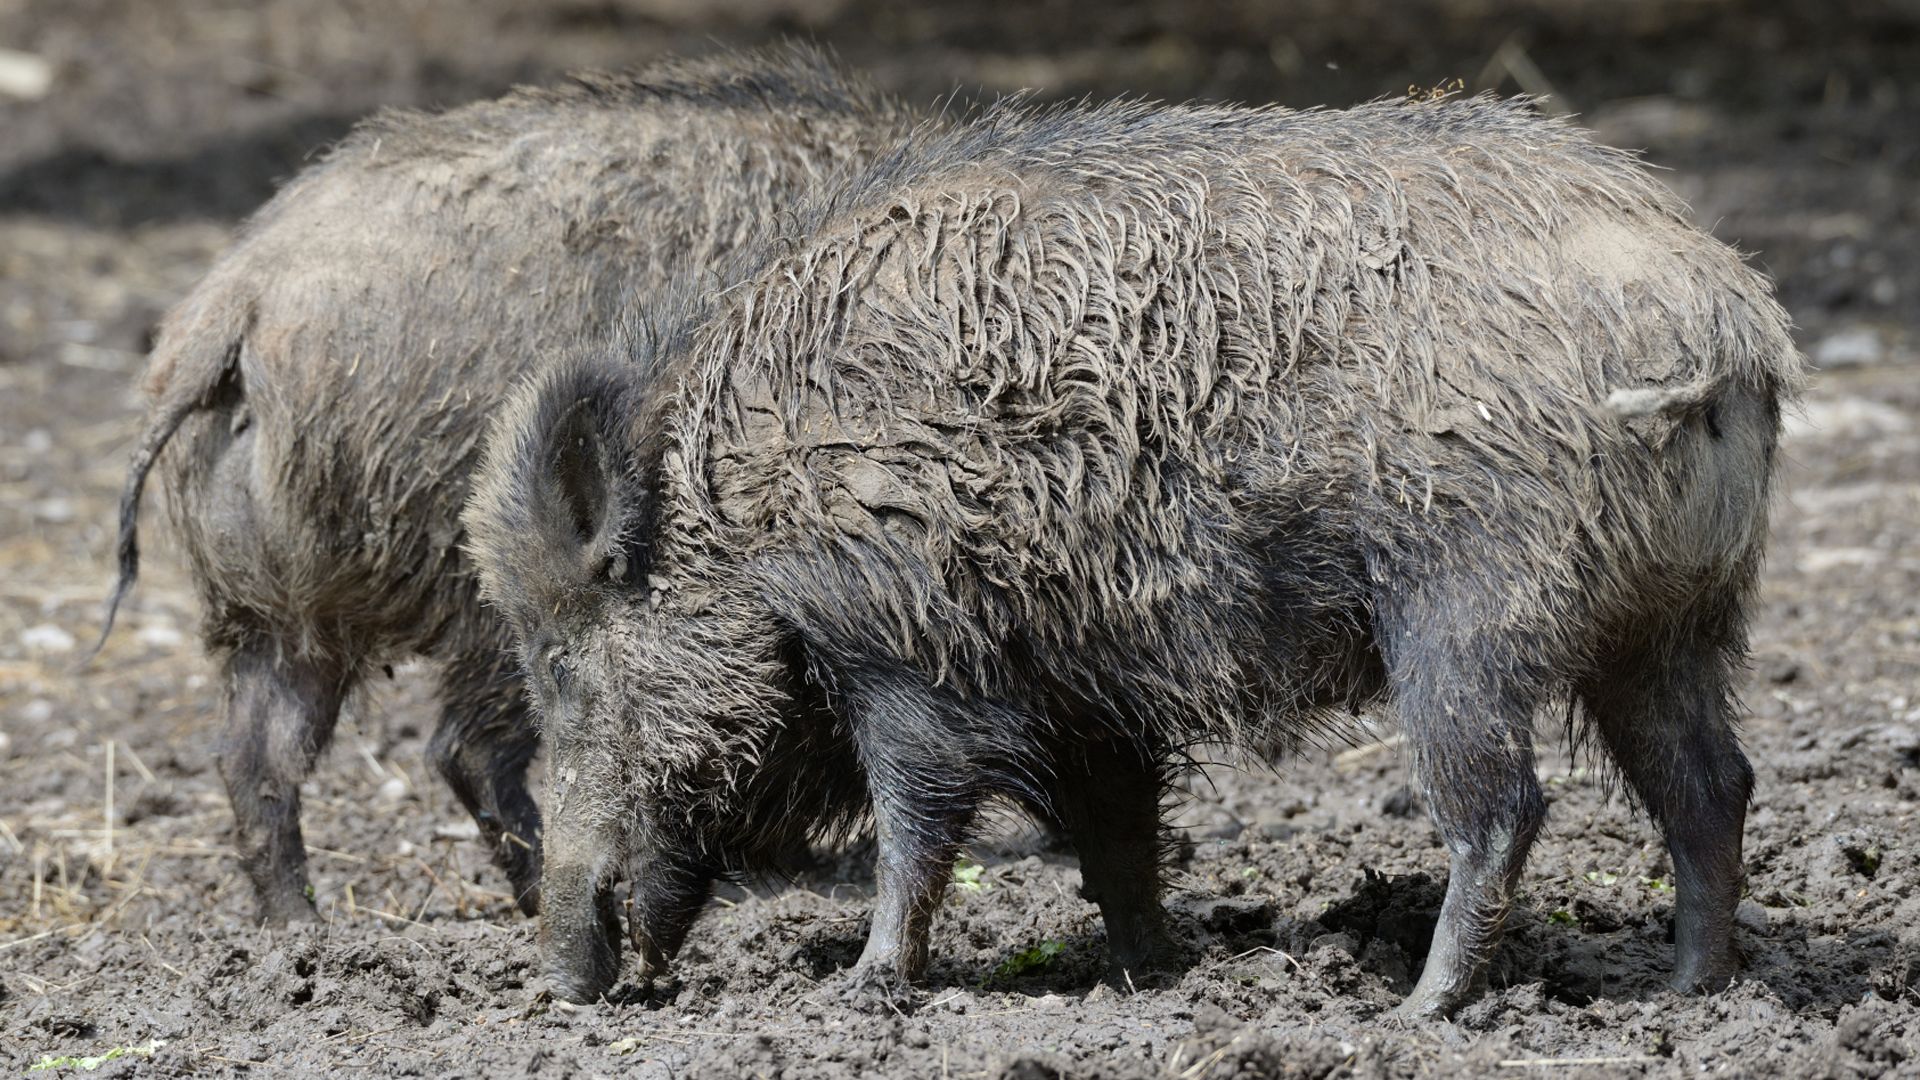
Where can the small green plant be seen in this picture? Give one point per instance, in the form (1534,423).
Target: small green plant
(1865,861)
(1026,962)
(1657,884)
(1563,917)
(966,876)
(88,1064)
(1601,877)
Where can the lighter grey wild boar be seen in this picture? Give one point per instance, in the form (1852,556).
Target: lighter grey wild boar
(319,397)
(1067,441)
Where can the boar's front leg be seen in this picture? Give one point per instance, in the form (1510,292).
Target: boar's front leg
(913,748)
(482,748)
(1459,678)
(671,886)
(1106,798)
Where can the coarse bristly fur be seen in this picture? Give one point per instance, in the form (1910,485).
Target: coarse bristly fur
(1064,440)
(320,395)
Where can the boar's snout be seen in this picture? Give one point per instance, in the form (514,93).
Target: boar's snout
(579,934)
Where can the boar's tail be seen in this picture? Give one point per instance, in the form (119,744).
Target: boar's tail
(184,392)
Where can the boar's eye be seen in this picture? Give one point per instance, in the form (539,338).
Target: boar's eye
(560,671)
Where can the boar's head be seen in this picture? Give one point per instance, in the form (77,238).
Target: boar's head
(661,702)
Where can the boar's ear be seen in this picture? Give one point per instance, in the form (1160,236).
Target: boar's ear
(600,486)
(558,496)
(582,472)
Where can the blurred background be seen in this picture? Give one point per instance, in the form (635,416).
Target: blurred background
(1793,127)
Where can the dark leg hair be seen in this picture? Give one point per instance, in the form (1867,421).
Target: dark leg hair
(1458,678)
(280,715)
(1664,709)
(1106,799)
(484,744)
(669,889)
(925,795)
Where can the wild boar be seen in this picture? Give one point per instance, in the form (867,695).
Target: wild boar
(1068,440)
(320,395)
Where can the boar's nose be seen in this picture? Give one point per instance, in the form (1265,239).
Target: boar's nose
(579,936)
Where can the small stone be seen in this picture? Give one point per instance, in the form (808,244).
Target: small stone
(47,638)
(24,75)
(394,789)
(1751,915)
(1856,347)
(160,635)
(37,711)
(457,830)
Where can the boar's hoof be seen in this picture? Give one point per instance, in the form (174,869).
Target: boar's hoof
(1424,1004)
(280,908)
(1707,981)
(875,989)
(1136,958)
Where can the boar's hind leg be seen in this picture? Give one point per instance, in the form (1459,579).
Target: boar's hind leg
(1106,798)
(1467,710)
(280,714)
(912,745)
(483,746)
(1664,710)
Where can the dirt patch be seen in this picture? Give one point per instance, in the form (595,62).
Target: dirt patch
(1304,899)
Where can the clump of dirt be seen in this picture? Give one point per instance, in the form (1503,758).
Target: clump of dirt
(1303,900)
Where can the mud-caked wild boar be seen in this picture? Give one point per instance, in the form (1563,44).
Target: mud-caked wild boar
(319,397)
(1065,441)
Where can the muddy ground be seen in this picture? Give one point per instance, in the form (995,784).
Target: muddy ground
(1304,899)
